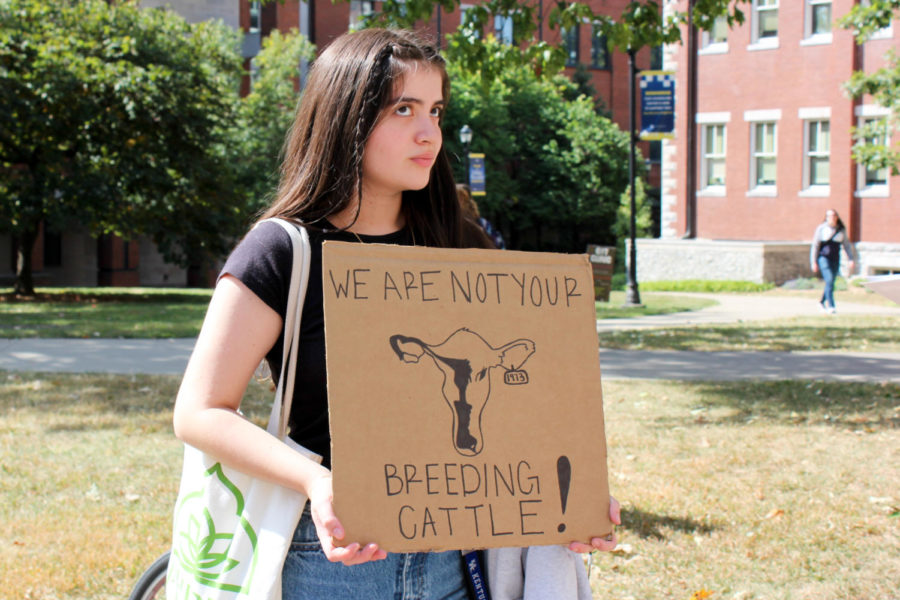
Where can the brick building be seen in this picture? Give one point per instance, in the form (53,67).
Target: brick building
(73,257)
(773,126)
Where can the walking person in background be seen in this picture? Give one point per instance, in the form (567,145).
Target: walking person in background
(364,163)
(825,255)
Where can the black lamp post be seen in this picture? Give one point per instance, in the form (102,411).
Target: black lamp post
(632,295)
(465,138)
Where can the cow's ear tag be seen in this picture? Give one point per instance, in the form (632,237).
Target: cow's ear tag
(515,377)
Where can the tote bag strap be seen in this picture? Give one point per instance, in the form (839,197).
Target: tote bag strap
(284,395)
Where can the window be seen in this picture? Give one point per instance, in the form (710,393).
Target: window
(654,152)
(255,12)
(503,29)
(465,20)
(817,22)
(359,9)
(656,58)
(716,39)
(817,155)
(570,39)
(765,23)
(599,50)
(712,163)
(872,124)
(763,153)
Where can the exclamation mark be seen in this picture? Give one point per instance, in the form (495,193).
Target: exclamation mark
(564,474)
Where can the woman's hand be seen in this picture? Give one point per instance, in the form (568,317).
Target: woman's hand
(603,544)
(329,528)
(815,268)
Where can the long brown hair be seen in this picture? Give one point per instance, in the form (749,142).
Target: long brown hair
(349,86)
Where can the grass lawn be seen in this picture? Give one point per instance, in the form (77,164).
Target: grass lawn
(852,333)
(168,313)
(105,313)
(775,490)
(653,304)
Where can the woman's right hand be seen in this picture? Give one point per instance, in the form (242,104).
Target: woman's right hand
(329,529)
(815,268)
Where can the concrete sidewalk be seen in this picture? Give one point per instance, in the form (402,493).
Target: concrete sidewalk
(170,356)
(733,308)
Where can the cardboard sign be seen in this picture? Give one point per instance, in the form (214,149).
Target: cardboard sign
(464,397)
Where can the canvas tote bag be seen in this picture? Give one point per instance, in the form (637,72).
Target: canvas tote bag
(231,532)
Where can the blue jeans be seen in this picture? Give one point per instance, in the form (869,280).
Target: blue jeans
(308,575)
(829,271)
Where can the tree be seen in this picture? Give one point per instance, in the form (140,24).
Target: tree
(557,167)
(641,24)
(266,114)
(119,119)
(872,148)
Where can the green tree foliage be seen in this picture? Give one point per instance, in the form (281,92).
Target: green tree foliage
(113,117)
(872,148)
(640,24)
(266,114)
(129,121)
(556,167)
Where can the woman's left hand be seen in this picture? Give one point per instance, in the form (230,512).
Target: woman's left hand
(603,544)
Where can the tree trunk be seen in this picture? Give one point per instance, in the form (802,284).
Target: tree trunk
(24,243)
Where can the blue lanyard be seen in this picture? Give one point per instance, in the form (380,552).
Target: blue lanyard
(475,574)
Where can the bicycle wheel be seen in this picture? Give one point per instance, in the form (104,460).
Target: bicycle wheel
(152,583)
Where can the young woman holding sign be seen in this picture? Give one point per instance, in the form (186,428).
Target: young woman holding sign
(363,163)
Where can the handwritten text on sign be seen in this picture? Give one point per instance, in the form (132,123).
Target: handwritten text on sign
(465,286)
(464,397)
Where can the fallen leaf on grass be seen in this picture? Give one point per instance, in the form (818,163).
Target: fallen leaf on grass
(774,513)
(701,594)
(623,549)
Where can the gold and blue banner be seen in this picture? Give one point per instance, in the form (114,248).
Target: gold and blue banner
(657,105)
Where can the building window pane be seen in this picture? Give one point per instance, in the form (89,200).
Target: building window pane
(879,177)
(764,168)
(719,32)
(465,21)
(503,29)
(359,9)
(255,11)
(714,156)
(821,18)
(599,50)
(766,14)
(570,38)
(818,152)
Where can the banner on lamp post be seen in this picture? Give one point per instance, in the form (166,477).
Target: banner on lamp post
(657,105)
(477,178)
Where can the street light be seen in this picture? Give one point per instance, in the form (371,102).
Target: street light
(465,138)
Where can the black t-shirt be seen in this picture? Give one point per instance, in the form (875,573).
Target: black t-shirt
(262,262)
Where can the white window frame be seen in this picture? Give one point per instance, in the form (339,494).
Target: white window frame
(706,121)
(864,113)
(758,42)
(255,11)
(809,37)
(809,116)
(503,29)
(761,118)
(462,18)
(358,10)
(710,46)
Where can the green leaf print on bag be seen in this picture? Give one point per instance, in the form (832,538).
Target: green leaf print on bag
(203,547)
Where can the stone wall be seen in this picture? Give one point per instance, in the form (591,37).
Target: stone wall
(775,262)
(877,258)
